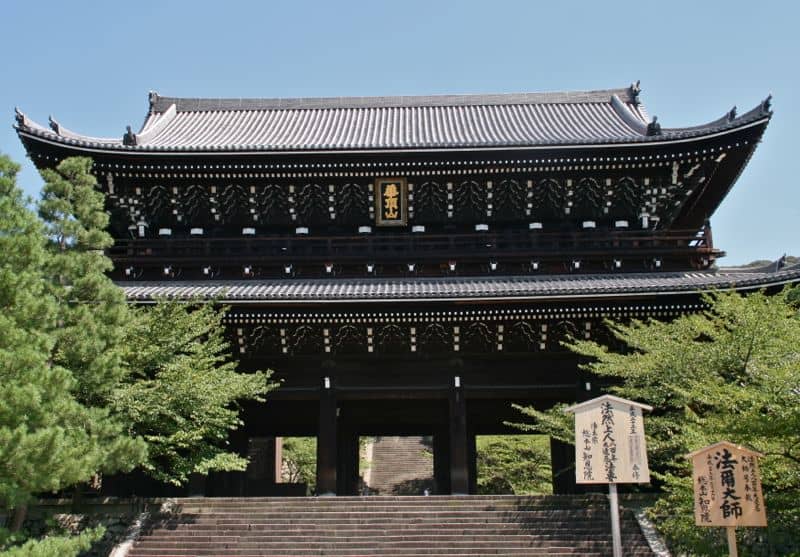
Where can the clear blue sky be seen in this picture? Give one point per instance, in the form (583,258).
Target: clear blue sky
(91,64)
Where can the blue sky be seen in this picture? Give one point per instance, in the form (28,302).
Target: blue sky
(91,64)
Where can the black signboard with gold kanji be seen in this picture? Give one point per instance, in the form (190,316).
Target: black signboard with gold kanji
(391,202)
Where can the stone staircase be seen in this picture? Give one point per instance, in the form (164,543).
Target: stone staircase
(400,466)
(388,526)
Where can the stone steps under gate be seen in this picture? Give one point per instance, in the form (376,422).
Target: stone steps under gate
(387,526)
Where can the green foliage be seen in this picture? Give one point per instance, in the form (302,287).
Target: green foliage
(731,373)
(514,464)
(48,439)
(55,546)
(92,310)
(164,372)
(184,389)
(300,461)
(89,384)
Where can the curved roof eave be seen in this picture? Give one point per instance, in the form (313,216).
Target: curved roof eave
(674,138)
(463,290)
(582,119)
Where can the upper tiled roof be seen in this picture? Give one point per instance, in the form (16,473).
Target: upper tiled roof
(373,123)
(460,289)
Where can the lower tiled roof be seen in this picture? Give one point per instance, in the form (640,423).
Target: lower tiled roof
(456,288)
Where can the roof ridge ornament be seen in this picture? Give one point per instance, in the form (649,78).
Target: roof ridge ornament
(654,128)
(766,105)
(635,90)
(54,125)
(732,114)
(19,116)
(129,139)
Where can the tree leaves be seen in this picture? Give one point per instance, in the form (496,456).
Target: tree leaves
(184,389)
(730,373)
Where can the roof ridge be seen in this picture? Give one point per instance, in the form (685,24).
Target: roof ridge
(160,103)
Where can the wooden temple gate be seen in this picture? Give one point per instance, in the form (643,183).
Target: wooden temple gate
(411,265)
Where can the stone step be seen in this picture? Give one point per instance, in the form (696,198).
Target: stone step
(431,552)
(422,513)
(387,526)
(442,530)
(384,538)
(544,500)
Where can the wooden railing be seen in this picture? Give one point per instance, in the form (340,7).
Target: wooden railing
(403,247)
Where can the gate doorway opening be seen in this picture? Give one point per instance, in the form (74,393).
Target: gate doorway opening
(396,465)
(299,464)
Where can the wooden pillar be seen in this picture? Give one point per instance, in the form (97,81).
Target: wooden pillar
(197,485)
(459,465)
(348,459)
(441,460)
(472,460)
(326,439)
(562,462)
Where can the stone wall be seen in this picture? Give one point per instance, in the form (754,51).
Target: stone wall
(116,515)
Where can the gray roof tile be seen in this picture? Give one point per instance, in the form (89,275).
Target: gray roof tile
(421,289)
(368,123)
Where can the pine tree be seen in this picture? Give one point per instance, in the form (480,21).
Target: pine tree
(92,310)
(164,371)
(48,439)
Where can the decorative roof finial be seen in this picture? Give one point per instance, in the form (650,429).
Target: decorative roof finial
(766,105)
(152,96)
(129,138)
(654,128)
(635,90)
(55,126)
(732,114)
(19,116)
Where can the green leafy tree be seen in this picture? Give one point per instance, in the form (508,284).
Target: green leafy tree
(731,373)
(88,383)
(513,464)
(183,391)
(164,371)
(49,440)
(299,461)
(56,545)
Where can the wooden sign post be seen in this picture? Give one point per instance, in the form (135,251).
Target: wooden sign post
(727,489)
(610,449)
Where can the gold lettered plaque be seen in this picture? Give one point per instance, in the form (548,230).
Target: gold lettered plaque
(391,202)
(727,486)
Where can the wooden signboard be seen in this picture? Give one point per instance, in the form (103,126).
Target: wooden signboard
(727,486)
(609,441)
(610,449)
(391,202)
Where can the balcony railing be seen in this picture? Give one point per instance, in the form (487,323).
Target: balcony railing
(386,247)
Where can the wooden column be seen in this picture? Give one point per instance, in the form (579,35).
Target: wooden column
(459,462)
(326,439)
(562,462)
(197,485)
(347,470)
(441,460)
(472,460)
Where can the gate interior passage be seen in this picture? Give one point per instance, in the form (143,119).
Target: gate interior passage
(412,265)
(450,401)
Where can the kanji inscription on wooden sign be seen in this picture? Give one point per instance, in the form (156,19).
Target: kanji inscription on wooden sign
(727,486)
(609,441)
